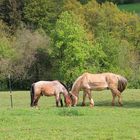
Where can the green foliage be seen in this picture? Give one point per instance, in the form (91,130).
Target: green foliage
(11,11)
(33,50)
(117,34)
(7,52)
(70,46)
(42,13)
(85,36)
(5,42)
(84,1)
(5,48)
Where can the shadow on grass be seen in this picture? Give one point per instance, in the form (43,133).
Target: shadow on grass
(98,103)
(131,104)
(106,103)
(126,104)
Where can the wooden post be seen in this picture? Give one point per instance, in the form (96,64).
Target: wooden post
(10,88)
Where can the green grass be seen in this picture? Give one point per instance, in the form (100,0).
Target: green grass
(131,7)
(103,122)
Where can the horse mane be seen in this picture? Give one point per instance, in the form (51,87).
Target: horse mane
(64,85)
(122,83)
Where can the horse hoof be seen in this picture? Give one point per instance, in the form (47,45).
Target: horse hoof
(113,104)
(37,107)
(83,104)
(91,105)
(121,105)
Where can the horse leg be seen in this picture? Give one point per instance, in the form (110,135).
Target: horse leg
(90,98)
(61,102)
(57,98)
(84,98)
(74,99)
(36,101)
(117,93)
(113,99)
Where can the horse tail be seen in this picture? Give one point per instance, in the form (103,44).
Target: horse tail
(32,95)
(122,83)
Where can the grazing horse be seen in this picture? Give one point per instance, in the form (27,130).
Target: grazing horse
(49,88)
(88,82)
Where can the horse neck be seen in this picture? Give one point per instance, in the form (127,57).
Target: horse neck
(76,86)
(63,88)
(65,92)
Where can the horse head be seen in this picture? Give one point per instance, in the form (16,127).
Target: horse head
(74,99)
(68,100)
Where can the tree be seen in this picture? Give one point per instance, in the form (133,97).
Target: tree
(42,13)
(6,50)
(31,58)
(11,12)
(84,1)
(71,47)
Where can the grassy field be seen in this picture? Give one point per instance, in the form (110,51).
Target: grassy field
(103,122)
(131,7)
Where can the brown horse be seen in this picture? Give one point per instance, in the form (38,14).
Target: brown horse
(49,88)
(88,82)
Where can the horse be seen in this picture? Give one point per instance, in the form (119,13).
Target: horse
(88,82)
(49,88)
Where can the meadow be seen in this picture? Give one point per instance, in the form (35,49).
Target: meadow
(135,7)
(103,122)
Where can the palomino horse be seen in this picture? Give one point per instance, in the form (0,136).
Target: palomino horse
(88,82)
(49,88)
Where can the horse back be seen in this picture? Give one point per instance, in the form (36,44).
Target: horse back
(94,81)
(45,88)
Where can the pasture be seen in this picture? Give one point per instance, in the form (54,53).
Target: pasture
(135,7)
(103,122)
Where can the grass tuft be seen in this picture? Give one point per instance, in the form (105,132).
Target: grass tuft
(70,112)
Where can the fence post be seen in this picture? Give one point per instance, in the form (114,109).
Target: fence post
(10,88)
